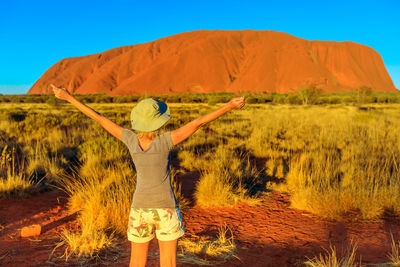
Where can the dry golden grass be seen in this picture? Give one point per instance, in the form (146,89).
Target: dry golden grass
(13,181)
(330,258)
(394,255)
(331,159)
(207,250)
(87,242)
(102,200)
(223,180)
(40,165)
(16,185)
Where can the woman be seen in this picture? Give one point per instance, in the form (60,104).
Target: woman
(154,210)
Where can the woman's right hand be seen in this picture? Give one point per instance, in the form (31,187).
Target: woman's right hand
(237,102)
(60,92)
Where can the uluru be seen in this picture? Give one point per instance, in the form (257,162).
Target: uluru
(221,61)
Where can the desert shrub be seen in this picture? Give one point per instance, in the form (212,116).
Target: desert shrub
(212,101)
(103,99)
(310,94)
(293,99)
(279,99)
(382,99)
(334,99)
(264,98)
(125,99)
(173,99)
(52,101)
(364,95)
(185,98)
(394,98)
(370,99)
(251,100)
(4,99)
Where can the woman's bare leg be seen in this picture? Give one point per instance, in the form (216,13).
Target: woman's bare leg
(138,254)
(167,253)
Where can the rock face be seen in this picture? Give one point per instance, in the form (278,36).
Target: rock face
(216,61)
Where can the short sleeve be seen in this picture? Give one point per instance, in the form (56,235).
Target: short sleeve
(128,137)
(166,140)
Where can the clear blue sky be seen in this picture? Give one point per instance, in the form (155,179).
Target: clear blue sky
(35,34)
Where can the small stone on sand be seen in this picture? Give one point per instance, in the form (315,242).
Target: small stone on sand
(31,230)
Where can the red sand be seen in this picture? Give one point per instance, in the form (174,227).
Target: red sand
(269,234)
(215,61)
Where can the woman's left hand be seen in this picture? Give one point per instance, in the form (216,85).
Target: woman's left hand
(60,92)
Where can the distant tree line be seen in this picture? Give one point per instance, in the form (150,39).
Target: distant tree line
(311,95)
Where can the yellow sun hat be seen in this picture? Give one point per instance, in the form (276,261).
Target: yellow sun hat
(149,115)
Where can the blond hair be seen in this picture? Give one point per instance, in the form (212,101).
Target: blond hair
(148,135)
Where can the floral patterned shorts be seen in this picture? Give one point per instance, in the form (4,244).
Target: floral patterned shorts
(145,223)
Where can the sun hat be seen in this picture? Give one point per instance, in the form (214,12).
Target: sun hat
(149,115)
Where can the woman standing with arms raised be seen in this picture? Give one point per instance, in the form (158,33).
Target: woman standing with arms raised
(154,210)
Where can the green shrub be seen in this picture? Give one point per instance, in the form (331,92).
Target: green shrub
(293,99)
(349,99)
(279,99)
(212,101)
(251,100)
(382,99)
(363,94)
(309,95)
(334,100)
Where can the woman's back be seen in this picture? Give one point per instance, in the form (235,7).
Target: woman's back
(153,185)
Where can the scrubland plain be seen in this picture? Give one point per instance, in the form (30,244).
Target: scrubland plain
(332,160)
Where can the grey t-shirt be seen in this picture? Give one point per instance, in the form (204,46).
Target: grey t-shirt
(153,184)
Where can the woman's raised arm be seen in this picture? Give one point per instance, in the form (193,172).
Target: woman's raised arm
(187,130)
(110,126)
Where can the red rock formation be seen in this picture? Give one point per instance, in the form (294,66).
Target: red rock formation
(215,61)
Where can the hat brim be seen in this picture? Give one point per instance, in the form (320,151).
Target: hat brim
(148,126)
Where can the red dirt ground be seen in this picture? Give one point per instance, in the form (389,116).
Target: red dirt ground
(269,234)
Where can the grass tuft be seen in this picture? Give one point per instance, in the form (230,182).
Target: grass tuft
(16,186)
(87,243)
(330,258)
(394,255)
(207,250)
